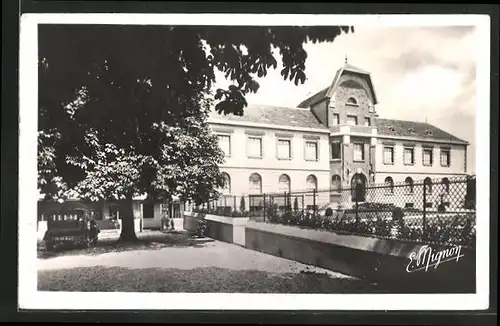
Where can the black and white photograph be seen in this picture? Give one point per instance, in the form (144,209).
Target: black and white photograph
(247,161)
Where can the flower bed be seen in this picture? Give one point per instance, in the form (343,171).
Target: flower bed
(222,211)
(396,223)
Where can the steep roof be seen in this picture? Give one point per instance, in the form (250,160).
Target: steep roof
(282,116)
(401,128)
(327,92)
(314,99)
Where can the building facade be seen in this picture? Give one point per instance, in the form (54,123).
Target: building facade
(273,150)
(335,138)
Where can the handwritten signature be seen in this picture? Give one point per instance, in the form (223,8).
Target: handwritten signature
(427,257)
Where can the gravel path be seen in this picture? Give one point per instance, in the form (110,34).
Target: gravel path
(212,254)
(210,267)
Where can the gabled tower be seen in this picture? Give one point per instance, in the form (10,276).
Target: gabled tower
(347,108)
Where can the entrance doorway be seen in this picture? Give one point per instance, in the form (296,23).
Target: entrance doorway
(358,179)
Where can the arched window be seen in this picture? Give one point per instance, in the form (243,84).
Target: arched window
(446,185)
(428,185)
(312,183)
(352,101)
(255,184)
(284,183)
(226,189)
(389,183)
(336,182)
(409,185)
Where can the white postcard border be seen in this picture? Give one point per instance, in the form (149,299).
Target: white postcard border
(30,298)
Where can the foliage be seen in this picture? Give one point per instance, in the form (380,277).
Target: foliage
(375,206)
(459,230)
(221,211)
(201,227)
(328,212)
(296,204)
(242,204)
(123,109)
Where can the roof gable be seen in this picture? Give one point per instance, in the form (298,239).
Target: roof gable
(329,91)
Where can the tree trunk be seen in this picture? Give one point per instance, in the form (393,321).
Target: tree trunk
(128,227)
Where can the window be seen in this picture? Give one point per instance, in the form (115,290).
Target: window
(336,183)
(312,183)
(409,156)
(336,119)
(428,185)
(389,183)
(255,183)
(284,183)
(311,150)
(148,209)
(225,144)
(388,155)
(226,188)
(352,120)
(427,157)
(352,101)
(445,157)
(284,150)
(254,147)
(359,153)
(336,153)
(409,185)
(446,185)
(367,122)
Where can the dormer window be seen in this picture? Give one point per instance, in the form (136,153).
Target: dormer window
(428,133)
(352,101)
(411,131)
(391,128)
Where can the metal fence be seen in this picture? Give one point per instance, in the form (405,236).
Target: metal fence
(431,210)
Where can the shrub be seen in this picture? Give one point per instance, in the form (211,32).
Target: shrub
(201,226)
(375,206)
(397,214)
(441,208)
(242,204)
(272,212)
(296,204)
(329,212)
(239,214)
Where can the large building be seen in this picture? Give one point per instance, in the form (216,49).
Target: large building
(332,139)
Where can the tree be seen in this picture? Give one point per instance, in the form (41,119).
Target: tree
(123,109)
(242,204)
(296,204)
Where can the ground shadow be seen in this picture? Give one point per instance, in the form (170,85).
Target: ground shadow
(147,241)
(201,280)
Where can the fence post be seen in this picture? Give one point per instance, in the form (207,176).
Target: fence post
(424,211)
(303,202)
(250,212)
(265,209)
(356,192)
(314,201)
(235,207)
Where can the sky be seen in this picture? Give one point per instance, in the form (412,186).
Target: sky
(418,73)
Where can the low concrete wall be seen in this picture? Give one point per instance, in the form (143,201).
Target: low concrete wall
(227,229)
(377,260)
